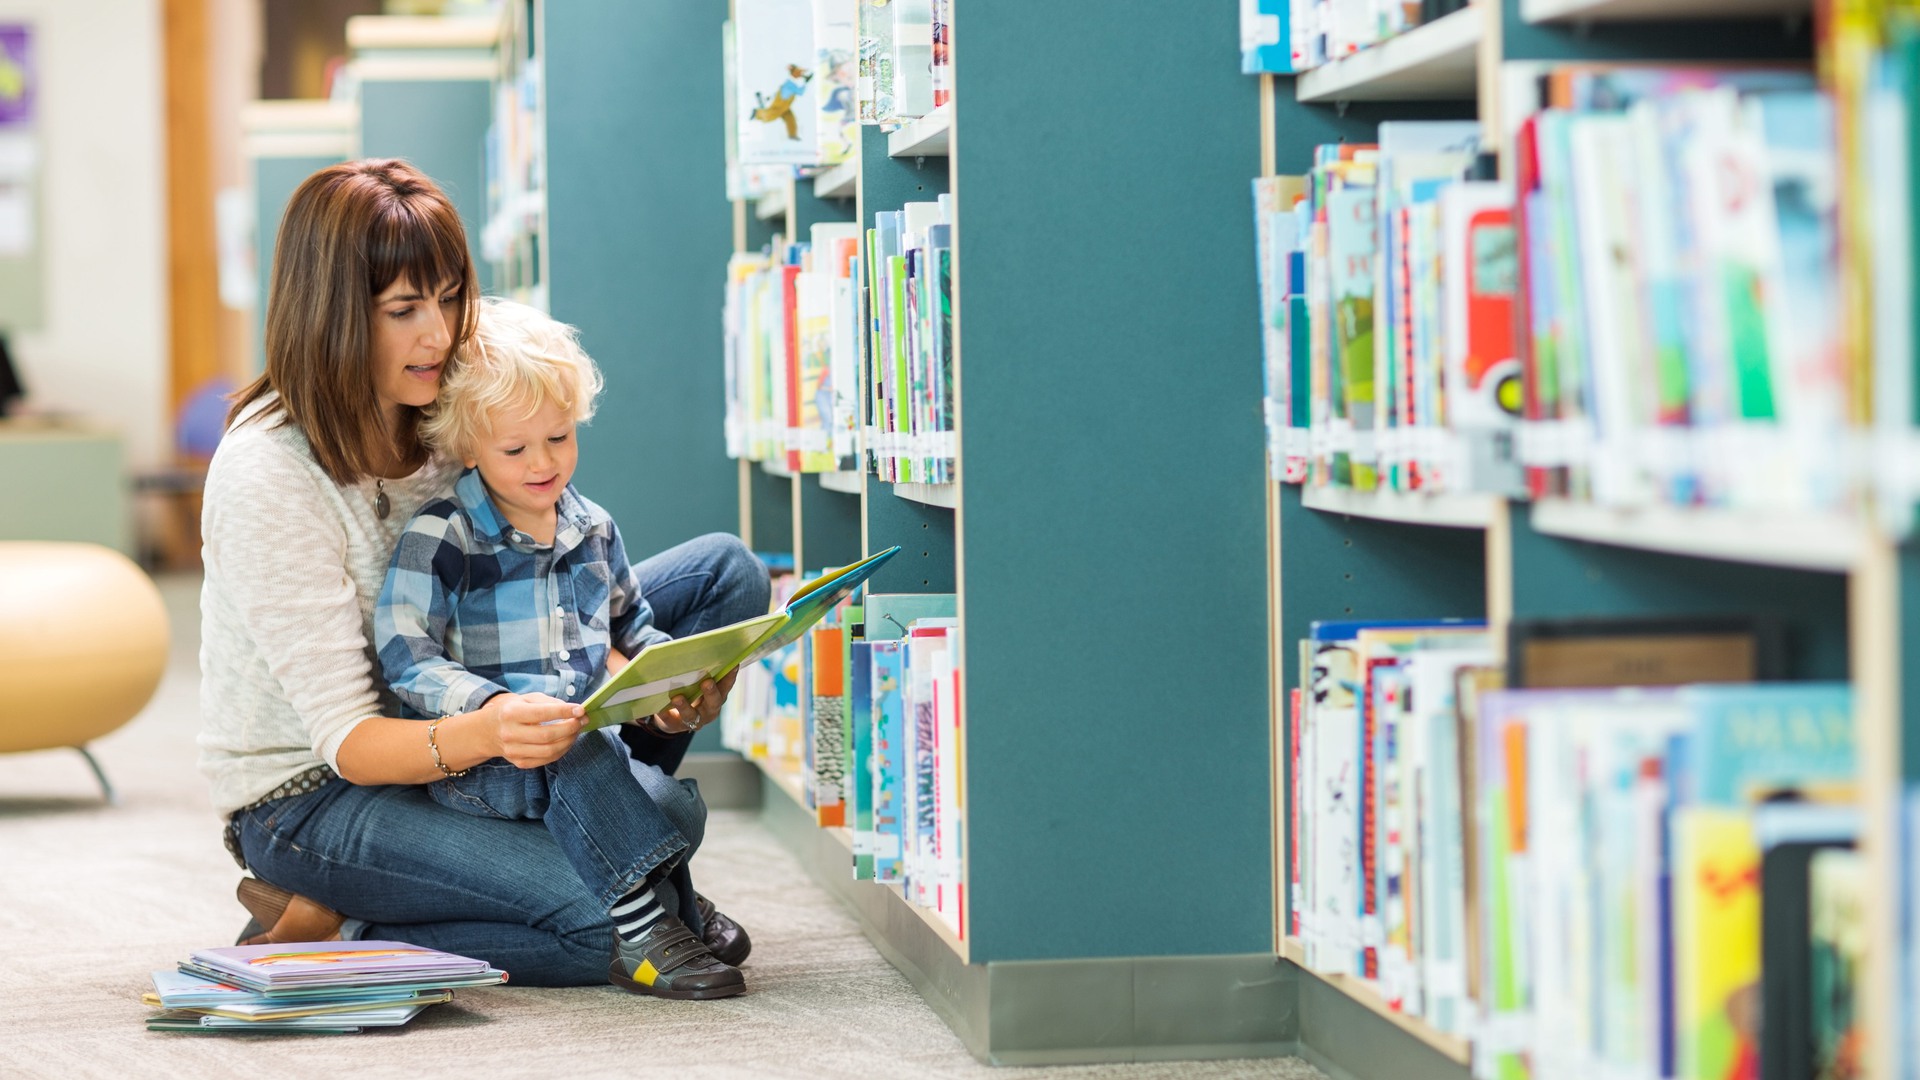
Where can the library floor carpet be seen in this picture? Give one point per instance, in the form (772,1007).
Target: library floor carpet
(92,898)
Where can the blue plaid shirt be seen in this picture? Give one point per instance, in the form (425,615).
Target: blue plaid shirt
(474,607)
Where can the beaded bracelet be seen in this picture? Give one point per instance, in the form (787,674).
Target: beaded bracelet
(434,745)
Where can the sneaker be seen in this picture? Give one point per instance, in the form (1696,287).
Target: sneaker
(727,939)
(670,961)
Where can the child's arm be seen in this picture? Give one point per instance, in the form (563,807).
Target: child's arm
(410,622)
(630,614)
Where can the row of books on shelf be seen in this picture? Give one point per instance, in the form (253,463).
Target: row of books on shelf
(844,343)
(1649,312)
(1586,881)
(864,712)
(804,75)
(310,988)
(1291,36)
(516,158)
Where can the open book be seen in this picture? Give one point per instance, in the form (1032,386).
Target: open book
(647,684)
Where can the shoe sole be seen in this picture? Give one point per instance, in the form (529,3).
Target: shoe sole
(707,994)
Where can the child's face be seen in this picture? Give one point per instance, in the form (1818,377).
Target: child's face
(527,462)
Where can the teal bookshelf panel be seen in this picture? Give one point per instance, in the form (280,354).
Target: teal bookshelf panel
(1728,39)
(830,526)
(1559,578)
(772,498)
(888,183)
(1298,127)
(925,535)
(809,208)
(274,181)
(636,212)
(440,126)
(1116,670)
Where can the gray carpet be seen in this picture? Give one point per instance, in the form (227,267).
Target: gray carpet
(93,898)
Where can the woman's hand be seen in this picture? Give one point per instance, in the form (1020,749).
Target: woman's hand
(683,716)
(534,729)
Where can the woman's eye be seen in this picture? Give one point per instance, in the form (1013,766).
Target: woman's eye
(401,313)
(454,299)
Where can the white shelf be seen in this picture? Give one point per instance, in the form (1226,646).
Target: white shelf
(1438,61)
(925,137)
(1456,1048)
(838,182)
(847,483)
(773,204)
(1452,511)
(1548,11)
(930,494)
(1799,541)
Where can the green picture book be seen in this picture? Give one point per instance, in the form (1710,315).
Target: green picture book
(648,683)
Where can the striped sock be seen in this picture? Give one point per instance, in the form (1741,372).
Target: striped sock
(635,912)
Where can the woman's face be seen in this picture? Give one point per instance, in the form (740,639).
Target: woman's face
(412,339)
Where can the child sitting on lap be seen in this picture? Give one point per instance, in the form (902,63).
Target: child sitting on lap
(520,585)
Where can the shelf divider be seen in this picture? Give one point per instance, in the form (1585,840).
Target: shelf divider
(1437,61)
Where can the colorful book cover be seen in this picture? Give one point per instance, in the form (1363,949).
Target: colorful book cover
(1765,739)
(1266,37)
(890,765)
(1717,944)
(874,78)
(942,52)
(1839,896)
(1350,254)
(827,783)
(776,95)
(835,45)
(860,755)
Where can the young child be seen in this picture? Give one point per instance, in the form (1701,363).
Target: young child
(519,585)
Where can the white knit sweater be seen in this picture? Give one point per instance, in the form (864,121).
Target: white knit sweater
(294,565)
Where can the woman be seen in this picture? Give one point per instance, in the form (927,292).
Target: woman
(322,466)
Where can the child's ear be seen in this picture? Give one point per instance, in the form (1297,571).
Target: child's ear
(469,461)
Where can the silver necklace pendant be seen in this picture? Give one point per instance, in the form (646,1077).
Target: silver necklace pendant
(381,506)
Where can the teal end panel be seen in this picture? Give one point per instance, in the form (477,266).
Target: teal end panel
(809,208)
(23,278)
(830,524)
(760,233)
(440,126)
(1557,578)
(638,223)
(772,498)
(1299,127)
(888,183)
(1115,518)
(1762,39)
(275,179)
(925,535)
(1333,566)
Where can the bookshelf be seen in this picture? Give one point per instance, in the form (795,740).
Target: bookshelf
(838,182)
(1437,61)
(1846,594)
(284,142)
(925,137)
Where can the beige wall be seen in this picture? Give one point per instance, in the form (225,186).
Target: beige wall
(103,348)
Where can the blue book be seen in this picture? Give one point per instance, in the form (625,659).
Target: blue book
(860,756)
(889,750)
(1758,740)
(1266,37)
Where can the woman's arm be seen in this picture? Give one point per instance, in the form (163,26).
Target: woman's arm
(529,730)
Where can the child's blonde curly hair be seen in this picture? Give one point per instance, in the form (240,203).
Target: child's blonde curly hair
(518,359)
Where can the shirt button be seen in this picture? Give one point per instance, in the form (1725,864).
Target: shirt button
(563,654)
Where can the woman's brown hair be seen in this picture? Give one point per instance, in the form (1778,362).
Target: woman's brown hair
(349,232)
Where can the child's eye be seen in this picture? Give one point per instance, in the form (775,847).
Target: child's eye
(515,452)
(558,439)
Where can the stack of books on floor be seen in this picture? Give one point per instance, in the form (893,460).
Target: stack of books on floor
(313,988)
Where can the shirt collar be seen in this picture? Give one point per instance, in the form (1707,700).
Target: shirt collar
(576,516)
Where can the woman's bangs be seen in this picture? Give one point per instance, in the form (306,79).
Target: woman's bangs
(423,244)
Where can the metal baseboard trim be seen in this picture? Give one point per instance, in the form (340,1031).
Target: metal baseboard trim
(727,780)
(1348,1041)
(1061,1012)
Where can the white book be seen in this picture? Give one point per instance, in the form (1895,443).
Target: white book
(775,99)
(912,57)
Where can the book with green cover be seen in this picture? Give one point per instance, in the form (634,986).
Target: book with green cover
(648,683)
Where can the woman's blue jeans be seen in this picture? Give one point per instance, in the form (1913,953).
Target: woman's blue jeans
(516,892)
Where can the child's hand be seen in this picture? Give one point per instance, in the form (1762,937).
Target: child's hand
(535,729)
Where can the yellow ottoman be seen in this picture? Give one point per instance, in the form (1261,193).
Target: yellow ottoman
(83,642)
